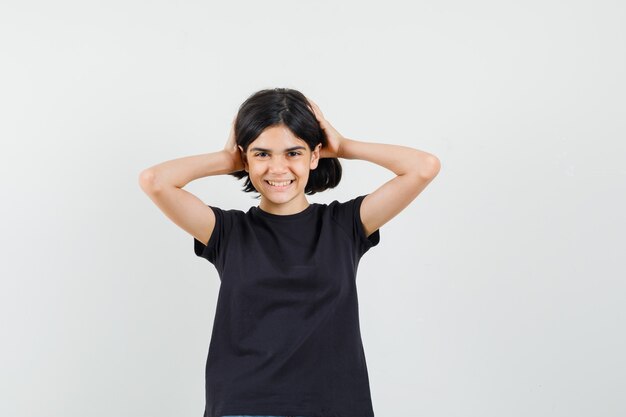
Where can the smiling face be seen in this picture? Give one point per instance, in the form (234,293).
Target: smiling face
(278,164)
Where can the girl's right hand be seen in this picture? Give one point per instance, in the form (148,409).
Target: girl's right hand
(233,150)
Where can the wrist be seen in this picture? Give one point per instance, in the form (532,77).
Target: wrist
(234,160)
(343,150)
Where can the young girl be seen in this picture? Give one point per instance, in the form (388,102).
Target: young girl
(286,339)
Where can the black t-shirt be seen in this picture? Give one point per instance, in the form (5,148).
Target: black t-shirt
(286,338)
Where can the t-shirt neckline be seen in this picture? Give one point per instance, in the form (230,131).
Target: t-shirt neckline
(282,217)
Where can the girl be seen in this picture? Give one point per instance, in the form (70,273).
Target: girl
(286,338)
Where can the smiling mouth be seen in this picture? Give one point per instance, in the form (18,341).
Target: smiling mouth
(279,184)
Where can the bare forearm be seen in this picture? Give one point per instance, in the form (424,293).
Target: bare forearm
(399,159)
(181,171)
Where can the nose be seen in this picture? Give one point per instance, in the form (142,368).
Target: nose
(278,165)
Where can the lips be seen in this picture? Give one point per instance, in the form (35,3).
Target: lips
(279,184)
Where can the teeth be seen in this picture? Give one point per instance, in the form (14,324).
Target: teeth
(280,184)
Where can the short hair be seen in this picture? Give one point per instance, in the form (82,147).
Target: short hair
(288,107)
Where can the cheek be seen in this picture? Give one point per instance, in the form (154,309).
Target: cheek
(305,173)
(255,169)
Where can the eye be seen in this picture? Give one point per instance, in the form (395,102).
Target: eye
(260,154)
(294,153)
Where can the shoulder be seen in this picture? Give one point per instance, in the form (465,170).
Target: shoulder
(347,208)
(348,215)
(227,218)
(230,212)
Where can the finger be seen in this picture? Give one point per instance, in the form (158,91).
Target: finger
(316,110)
(314,106)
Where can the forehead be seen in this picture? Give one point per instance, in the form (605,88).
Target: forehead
(277,138)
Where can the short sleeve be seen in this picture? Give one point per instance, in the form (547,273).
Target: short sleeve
(348,216)
(211,251)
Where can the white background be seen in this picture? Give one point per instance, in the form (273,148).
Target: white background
(498,292)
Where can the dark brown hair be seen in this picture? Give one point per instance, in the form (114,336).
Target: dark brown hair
(288,107)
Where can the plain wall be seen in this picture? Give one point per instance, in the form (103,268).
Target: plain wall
(498,292)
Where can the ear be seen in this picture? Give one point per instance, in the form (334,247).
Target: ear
(315,156)
(244,158)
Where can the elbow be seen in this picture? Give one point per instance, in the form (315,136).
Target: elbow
(429,166)
(147,180)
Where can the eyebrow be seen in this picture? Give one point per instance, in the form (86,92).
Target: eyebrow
(294,148)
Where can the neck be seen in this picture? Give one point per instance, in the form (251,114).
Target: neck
(284,209)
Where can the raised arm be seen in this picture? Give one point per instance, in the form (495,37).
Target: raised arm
(414,170)
(164,183)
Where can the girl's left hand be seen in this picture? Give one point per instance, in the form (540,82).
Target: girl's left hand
(332,150)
